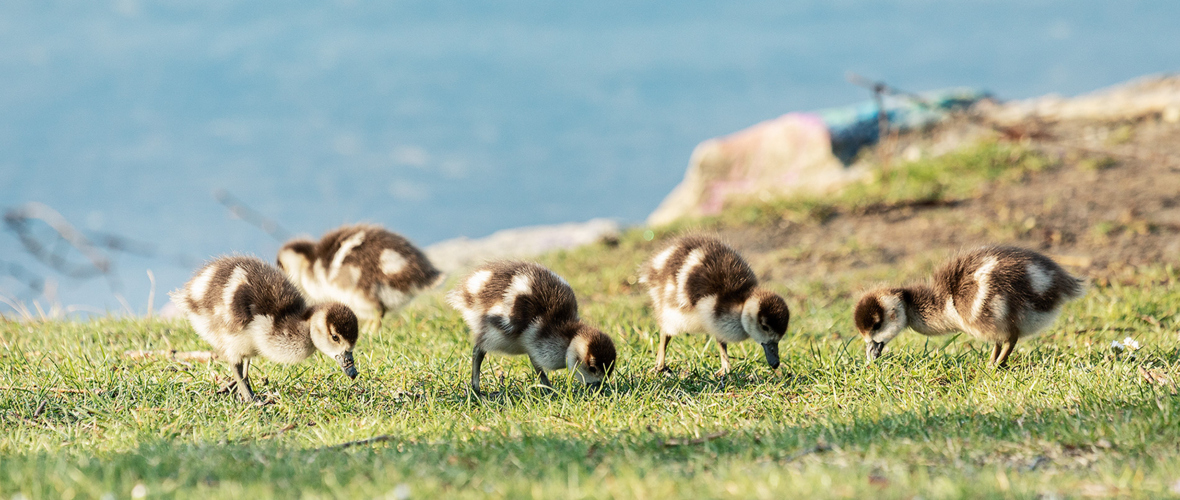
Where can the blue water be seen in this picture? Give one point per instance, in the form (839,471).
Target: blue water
(441,119)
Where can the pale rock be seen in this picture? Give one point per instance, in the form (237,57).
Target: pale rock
(518,243)
(1144,97)
(774,158)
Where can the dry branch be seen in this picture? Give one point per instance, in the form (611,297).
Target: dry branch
(818,448)
(33,281)
(60,247)
(270,434)
(19,220)
(377,439)
(881,88)
(694,441)
(251,216)
(173,355)
(59,390)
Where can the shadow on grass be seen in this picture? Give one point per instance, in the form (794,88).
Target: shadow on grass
(455,459)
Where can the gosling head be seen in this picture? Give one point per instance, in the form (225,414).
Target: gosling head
(591,355)
(296,256)
(880,317)
(765,317)
(334,332)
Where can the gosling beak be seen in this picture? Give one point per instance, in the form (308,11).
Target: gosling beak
(345,360)
(771,350)
(873,350)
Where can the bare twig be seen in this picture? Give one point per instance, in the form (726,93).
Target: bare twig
(280,431)
(59,390)
(694,441)
(880,88)
(265,435)
(1104,329)
(122,244)
(54,249)
(172,354)
(33,281)
(19,221)
(377,439)
(40,408)
(818,448)
(127,245)
(251,216)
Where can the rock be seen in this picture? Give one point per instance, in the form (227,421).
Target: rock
(763,162)
(1144,97)
(524,242)
(797,152)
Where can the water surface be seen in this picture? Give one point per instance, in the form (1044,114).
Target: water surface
(441,119)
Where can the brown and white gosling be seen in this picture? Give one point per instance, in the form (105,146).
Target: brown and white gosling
(699,284)
(997,294)
(524,308)
(245,308)
(371,270)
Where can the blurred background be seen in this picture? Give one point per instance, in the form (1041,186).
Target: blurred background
(443,119)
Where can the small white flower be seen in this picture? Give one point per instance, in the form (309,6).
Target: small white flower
(401,492)
(139,491)
(1116,346)
(1131,343)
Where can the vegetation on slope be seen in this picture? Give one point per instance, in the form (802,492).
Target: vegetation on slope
(1072,416)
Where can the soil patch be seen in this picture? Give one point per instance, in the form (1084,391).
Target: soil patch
(1111,202)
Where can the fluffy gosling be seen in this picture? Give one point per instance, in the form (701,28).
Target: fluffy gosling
(371,270)
(523,308)
(246,308)
(699,284)
(996,294)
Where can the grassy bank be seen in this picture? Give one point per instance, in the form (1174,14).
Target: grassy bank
(1071,417)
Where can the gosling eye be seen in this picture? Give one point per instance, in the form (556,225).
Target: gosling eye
(335,338)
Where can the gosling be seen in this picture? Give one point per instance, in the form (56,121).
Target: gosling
(524,308)
(371,270)
(245,308)
(997,294)
(699,284)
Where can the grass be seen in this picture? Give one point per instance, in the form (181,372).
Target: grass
(942,179)
(1071,417)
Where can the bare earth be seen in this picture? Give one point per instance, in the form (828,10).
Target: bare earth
(1111,202)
